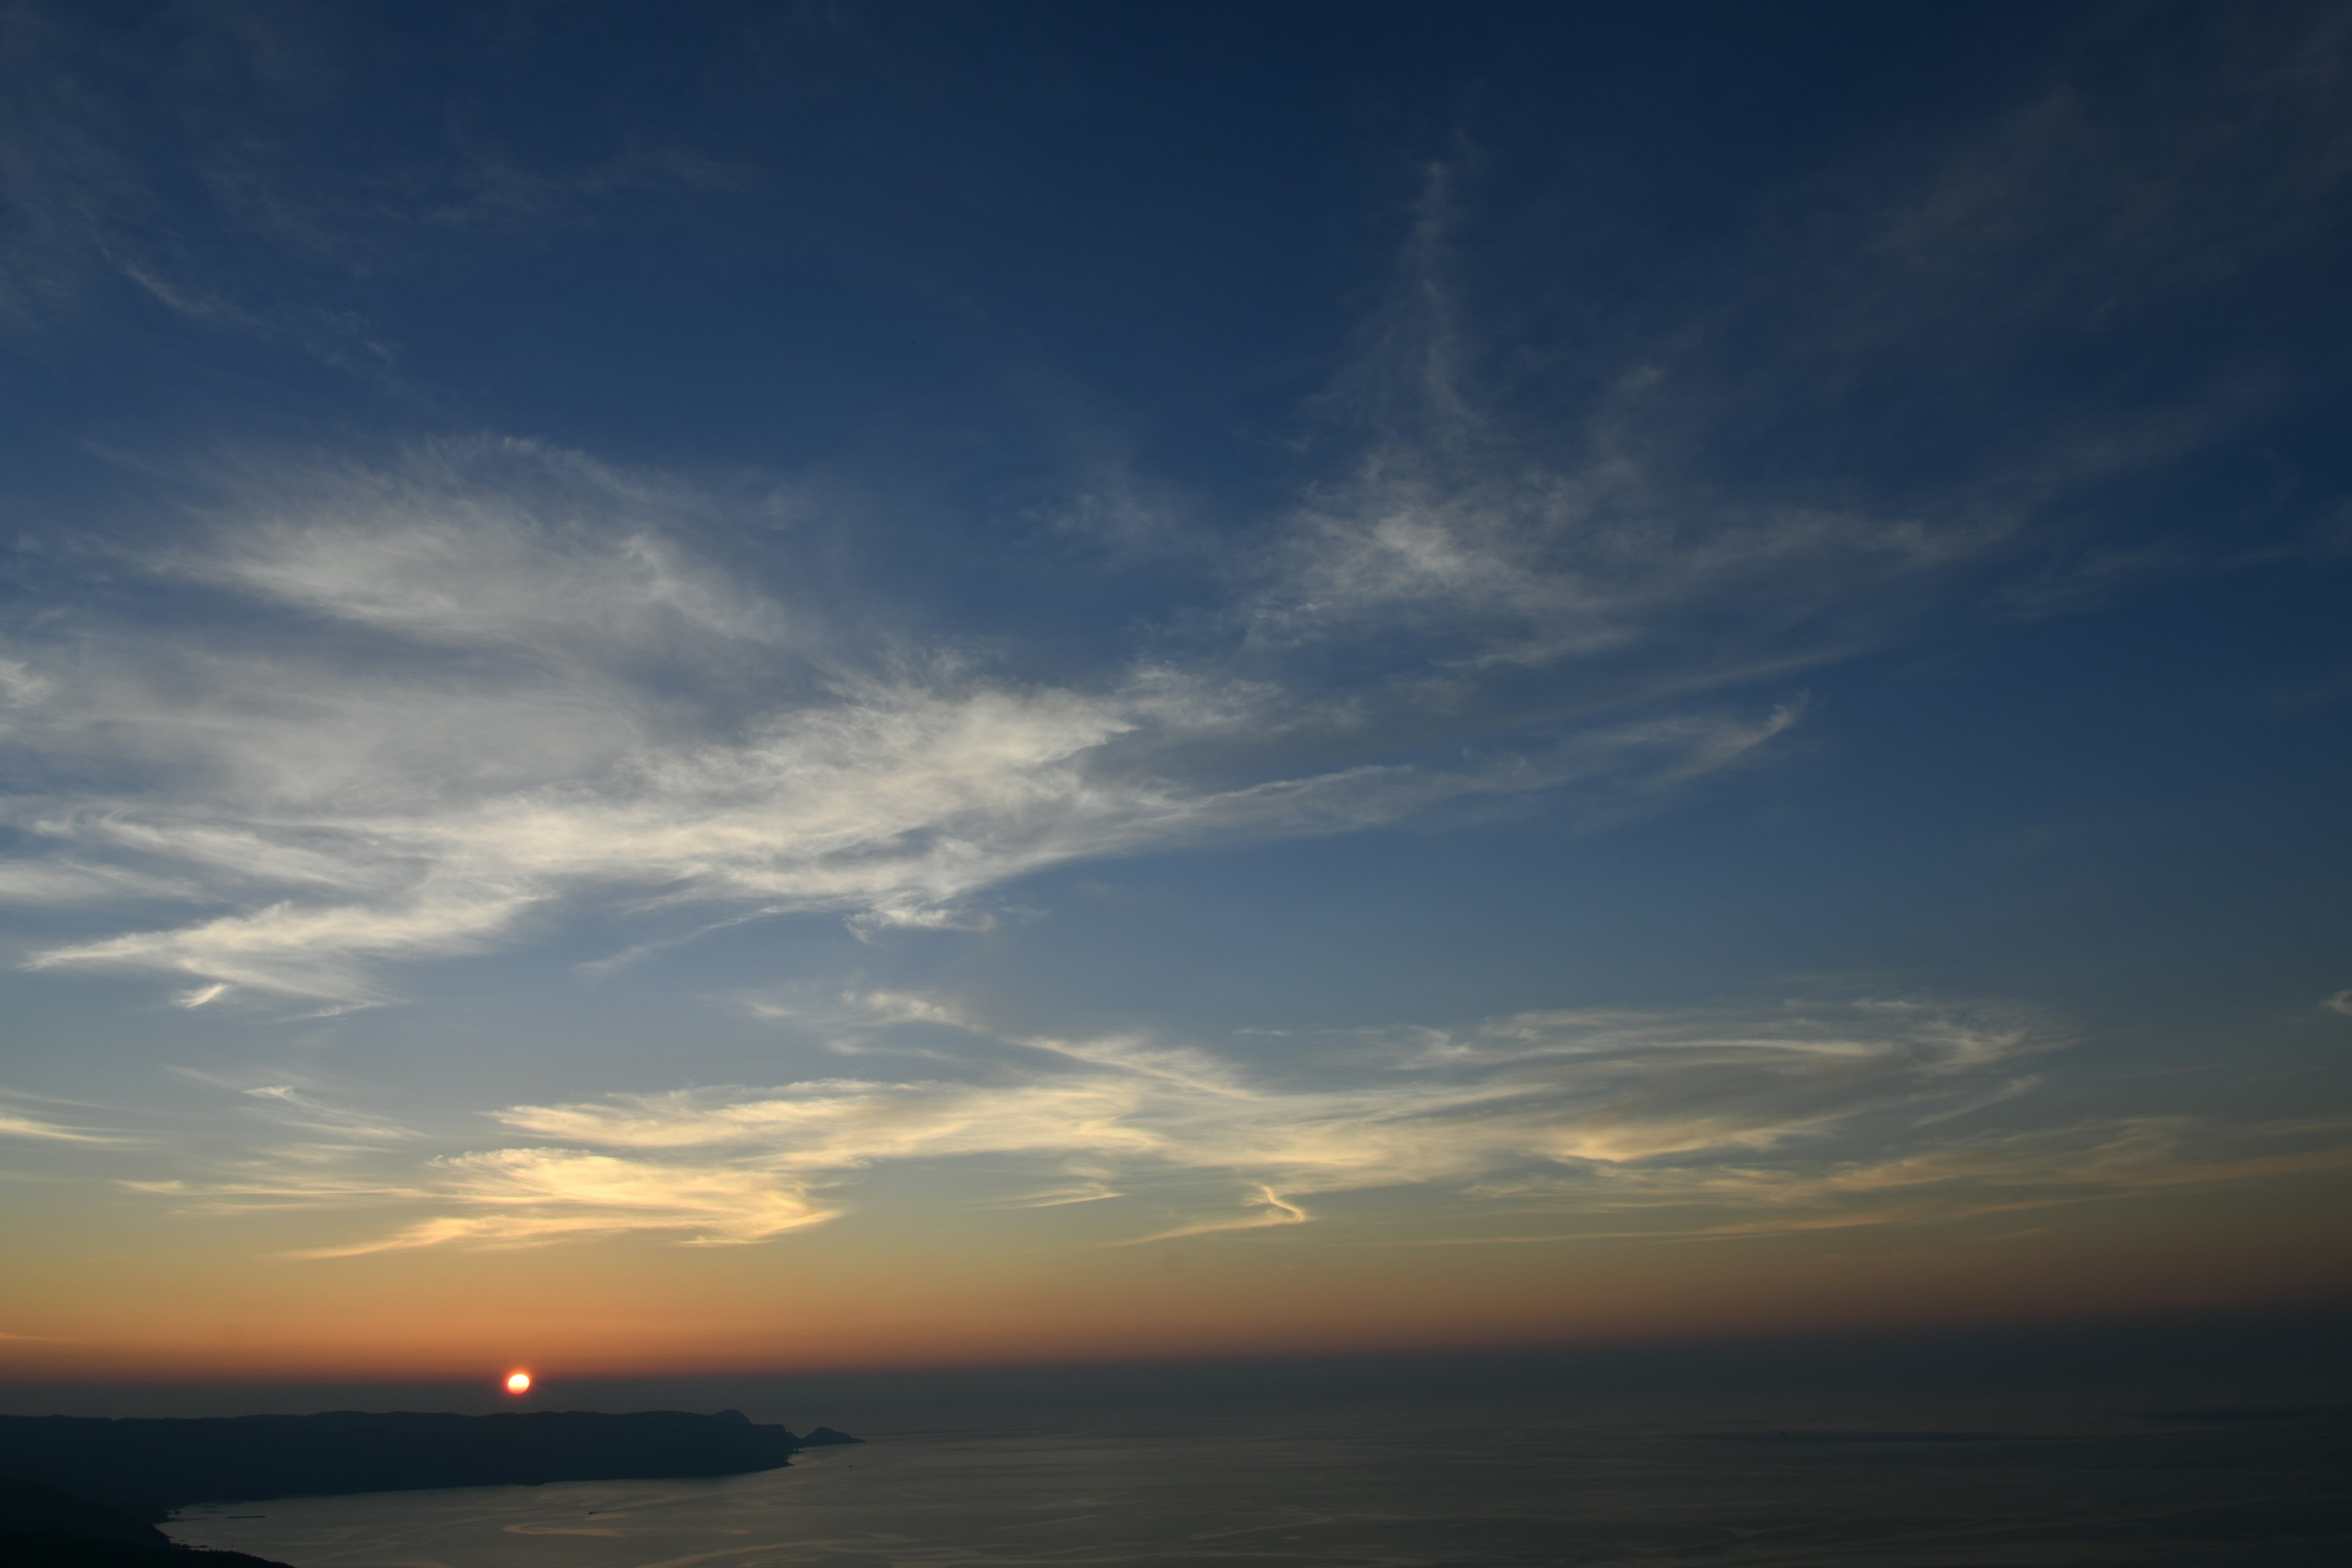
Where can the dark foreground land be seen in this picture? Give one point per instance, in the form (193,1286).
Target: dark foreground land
(148,1467)
(78,1491)
(41,1527)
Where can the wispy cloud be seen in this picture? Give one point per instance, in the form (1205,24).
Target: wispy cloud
(1266,1208)
(16,1121)
(1696,1126)
(500,678)
(291,1107)
(1995,1172)
(64,881)
(1472,537)
(530,1197)
(406,707)
(1658,502)
(1628,1105)
(181,157)
(17,1125)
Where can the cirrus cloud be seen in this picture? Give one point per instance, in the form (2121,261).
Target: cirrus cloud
(428,699)
(1620,1102)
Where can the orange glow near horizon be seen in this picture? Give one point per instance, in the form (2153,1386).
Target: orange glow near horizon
(906,1295)
(519,1383)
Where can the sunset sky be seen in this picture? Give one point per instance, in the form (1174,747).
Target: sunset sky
(825,685)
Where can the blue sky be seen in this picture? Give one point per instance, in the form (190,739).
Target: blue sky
(896,638)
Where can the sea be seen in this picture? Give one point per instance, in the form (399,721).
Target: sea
(2230,1445)
(1388,1486)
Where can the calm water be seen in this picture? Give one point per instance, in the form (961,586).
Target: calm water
(1397,1487)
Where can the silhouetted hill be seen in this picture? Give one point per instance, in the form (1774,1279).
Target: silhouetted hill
(149,1467)
(41,1527)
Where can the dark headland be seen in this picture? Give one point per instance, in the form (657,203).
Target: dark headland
(87,1485)
(41,1527)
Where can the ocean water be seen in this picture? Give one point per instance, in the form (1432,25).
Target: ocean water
(1386,1486)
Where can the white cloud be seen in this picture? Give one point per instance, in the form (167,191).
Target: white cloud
(843,1124)
(293,1107)
(1266,1208)
(15,1124)
(16,1121)
(1703,1095)
(1695,1124)
(1503,566)
(400,706)
(68,882)
(316,953)
(1942,1181)
(529,1196)
(1476,539)
(488,542)
(554,702)
(430,697)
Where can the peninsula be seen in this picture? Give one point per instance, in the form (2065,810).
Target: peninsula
(146,1468)
(41,1527)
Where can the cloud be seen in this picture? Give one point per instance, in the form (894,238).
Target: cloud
(1945,1182)
(1479,539)
(1710,473)
(181,158)
(1268,1207)
(293,1108)
(314,953)
(16,1121)
(1527,557)
(378,712)
(494,678)
(475,543)
(2339,1002)
(1502,1108)
(1699,1125)
(15,1124)
(67,882)
(530,1197)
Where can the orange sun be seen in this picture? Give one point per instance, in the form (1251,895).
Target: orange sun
(518,1383)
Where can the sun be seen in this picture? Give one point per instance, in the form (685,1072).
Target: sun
(518,1383)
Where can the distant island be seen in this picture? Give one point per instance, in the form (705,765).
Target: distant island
(146,1468)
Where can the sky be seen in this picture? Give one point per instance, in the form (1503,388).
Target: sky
(833,685)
